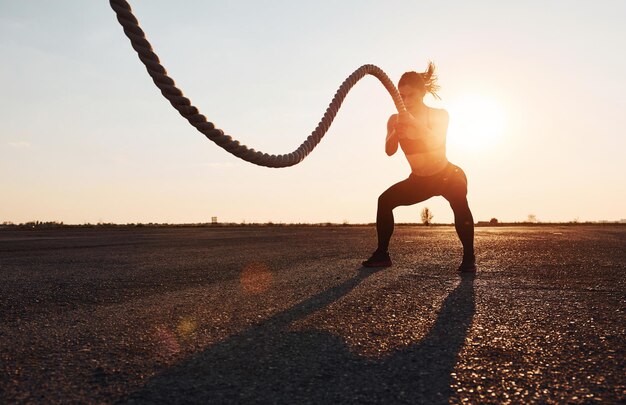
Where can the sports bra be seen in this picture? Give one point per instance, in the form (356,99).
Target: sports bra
(411,146)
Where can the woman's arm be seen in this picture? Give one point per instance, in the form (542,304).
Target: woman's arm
(391,142)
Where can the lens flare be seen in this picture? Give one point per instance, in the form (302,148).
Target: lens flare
(186,327)
(255,278)
(167,344)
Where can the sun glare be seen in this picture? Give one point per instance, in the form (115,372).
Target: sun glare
(476,122)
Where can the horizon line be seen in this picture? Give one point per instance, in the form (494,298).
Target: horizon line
(61,224)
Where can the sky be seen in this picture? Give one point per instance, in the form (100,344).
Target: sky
(536,93)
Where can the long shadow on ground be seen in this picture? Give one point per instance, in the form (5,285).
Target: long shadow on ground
(270,364)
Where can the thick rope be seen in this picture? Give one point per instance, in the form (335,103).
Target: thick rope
(183,105)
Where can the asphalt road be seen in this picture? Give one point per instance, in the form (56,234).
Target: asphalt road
(287,315)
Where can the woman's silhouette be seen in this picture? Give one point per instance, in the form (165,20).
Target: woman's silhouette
(421,133)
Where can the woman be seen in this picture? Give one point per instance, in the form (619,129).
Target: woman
(421,133)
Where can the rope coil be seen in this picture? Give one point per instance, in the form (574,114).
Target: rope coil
(183,105)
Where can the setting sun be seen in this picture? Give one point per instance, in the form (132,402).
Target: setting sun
(476,122)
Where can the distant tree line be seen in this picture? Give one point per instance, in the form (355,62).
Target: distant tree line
(426,220)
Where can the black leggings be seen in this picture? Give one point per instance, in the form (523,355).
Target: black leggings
(451,183)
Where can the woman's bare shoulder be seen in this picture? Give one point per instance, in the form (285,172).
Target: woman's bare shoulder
(439,114)
(391,122)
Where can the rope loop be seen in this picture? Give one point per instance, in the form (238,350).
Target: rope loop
(183,105)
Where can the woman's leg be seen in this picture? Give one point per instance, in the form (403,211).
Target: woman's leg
(406,192)
(456,194)
(464,225)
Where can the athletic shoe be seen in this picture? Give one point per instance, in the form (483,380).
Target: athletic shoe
(378,259)
(468,266)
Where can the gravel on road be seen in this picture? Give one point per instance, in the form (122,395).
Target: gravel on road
(286,314)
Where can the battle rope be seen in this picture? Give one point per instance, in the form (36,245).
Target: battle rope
(183,105)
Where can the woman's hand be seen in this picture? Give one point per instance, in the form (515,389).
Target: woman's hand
(405,124)
(410,126)
(405,118)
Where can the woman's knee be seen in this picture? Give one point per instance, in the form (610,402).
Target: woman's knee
(385,202)
(459,205)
